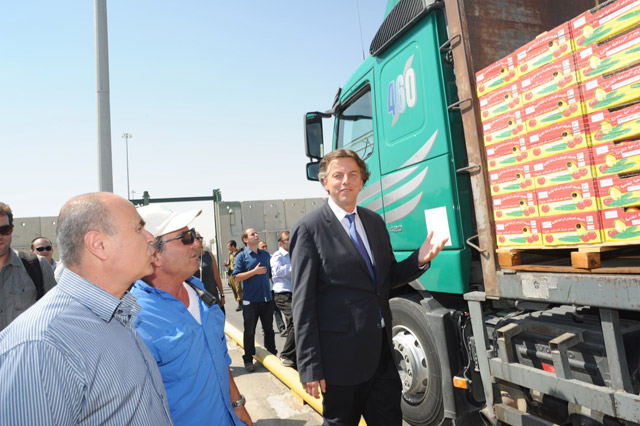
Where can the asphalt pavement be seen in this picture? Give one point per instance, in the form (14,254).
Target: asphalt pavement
(269,401)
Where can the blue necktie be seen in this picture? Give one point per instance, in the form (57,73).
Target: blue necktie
(357,241)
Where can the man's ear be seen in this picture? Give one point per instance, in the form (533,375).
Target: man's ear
(97,244)
(156,258)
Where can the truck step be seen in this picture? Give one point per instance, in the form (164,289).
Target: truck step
(596,258)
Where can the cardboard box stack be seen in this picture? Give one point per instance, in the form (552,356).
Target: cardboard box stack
(561,122)
(607,55)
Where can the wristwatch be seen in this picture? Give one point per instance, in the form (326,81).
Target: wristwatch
(240,402)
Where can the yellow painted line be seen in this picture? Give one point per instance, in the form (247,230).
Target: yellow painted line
(287,375)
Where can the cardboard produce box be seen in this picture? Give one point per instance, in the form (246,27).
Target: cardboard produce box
(500,101)
(609,126)
(507,153)
(516,205)
(548,79)
(619,192)
(544,49)
(594,27)
(619,89)
(518,232)
(614,158)
(571,229)
(496,75)
(609,57)
(571,197)
(561,105)
(562,168)
(620,224)
(503,127)
(564,136)
(515,178)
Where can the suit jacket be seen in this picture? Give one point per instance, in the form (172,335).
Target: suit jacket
(336,303)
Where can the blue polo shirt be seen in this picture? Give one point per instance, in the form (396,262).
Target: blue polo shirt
(257,288)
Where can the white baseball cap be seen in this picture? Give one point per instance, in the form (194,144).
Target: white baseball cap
(161,221)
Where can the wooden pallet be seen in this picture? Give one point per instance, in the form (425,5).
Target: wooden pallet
(597,258)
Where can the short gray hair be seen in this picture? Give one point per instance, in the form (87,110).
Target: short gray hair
(87,212)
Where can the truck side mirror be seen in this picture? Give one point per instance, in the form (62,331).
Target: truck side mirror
(314,145)
(312,171)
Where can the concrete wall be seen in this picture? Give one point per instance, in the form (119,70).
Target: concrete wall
(27,228)
(268,217)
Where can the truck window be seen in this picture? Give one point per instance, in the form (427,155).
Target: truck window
(355,125)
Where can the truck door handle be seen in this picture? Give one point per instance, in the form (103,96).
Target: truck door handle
(471,168)
(456,106)
(470,244)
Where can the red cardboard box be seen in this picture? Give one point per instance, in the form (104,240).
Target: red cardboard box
(511,179)
(562,105)
(618,89)
(562,168)
(615,158)
(557,138)
(503,127)
(615,191)
(500,101)
(572,228)
(496,75)
(593,27)
(609,57)
(555,76)
(566,198)
(516,205)
(518,232)
(507,153)
(546,48)
(607,126)
(620,225)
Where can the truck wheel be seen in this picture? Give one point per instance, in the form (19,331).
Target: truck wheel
(417,360)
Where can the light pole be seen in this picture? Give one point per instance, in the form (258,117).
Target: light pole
(126,137)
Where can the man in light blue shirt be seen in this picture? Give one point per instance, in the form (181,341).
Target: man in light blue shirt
(281,277)
(74,358)
(183,329)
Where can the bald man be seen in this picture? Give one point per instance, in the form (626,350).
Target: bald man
(74,357)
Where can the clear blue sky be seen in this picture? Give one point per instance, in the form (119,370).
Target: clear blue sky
(213,93)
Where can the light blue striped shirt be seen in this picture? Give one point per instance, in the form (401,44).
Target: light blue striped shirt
(74,358)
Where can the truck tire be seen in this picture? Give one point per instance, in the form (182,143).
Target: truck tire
(415,352)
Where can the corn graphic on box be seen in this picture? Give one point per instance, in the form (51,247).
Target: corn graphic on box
(593,27)
(496,75)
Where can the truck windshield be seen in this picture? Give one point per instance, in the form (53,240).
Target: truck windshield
(355,126)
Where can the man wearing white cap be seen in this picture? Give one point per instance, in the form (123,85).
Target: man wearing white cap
(184,328)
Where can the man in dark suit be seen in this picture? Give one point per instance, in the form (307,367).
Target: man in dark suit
(343,268)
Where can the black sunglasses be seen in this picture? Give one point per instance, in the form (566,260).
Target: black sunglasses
(45,248)
(6,229)
(187,237)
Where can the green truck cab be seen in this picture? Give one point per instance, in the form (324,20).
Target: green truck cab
(410,111)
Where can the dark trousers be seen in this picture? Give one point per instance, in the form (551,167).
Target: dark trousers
(378,399)
(283,302)
(277,315)
(251,313)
